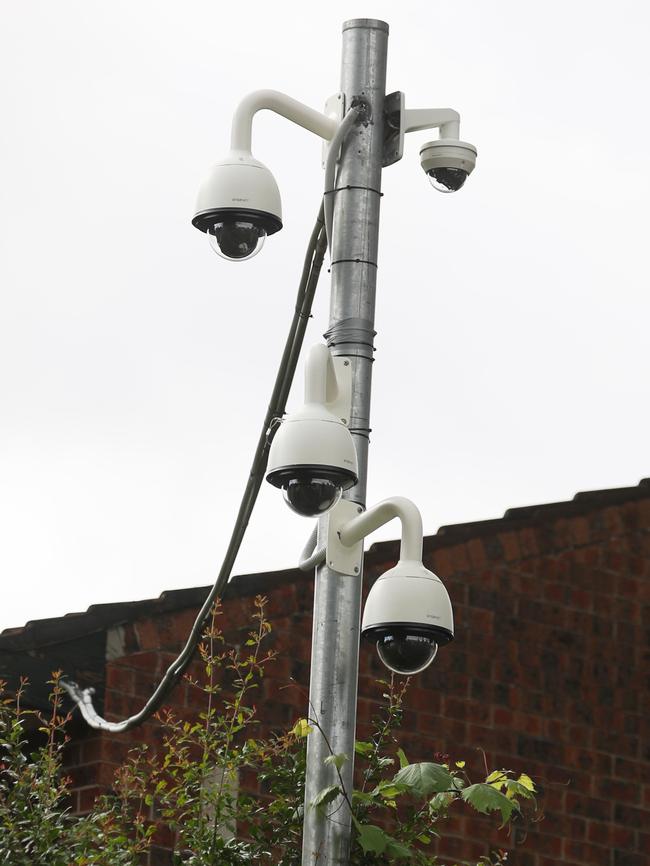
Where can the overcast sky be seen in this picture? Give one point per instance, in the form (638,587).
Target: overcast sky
(135,365)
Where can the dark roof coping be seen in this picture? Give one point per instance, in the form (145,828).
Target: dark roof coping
(530,515)
(100,617)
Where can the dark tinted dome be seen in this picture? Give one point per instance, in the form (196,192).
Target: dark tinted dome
(406,653)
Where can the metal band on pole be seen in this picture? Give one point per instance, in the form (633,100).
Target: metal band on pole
(337,597)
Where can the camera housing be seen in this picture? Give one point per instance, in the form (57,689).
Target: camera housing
(408,615)
(448,163)
(313,460)
(312,456)
(238,205)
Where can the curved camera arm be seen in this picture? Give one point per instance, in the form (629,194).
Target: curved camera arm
(328,382)
(320,377)
(445,119)
(242,123)
(354,530)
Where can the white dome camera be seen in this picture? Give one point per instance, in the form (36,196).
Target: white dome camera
(408,615)
(313,460)
(448,163)
(238,206)
(312,457)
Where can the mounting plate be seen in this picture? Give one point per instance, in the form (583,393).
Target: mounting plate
(335,108)
(346,560)
(341,408)
(393,128)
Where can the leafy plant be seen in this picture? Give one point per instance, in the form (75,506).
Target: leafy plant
(397,815)
(195,785)
(36,823)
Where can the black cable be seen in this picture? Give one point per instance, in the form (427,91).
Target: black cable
(275,411)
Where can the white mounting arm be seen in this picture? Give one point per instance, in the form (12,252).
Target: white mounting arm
(349,525)
(328,381)
(401,120)
(273,100)
(397,506)
(446,119)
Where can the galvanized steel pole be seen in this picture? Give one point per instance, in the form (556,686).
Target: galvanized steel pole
(337,598)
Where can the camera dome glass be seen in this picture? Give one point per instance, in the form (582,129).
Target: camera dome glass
(406,653)
(236,240)
(447,179)
(311,497)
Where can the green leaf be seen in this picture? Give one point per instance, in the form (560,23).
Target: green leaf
(485,798)
(362,748)
(425,778)
(302,728)
(460,764)
(423,838)
(527,783)
(363,797)
(325,796)
(441,802)
(384,762)
(336,760)
(388,791)
(403,760)
(372,838)
(398,851)
(516,789)
(497,779)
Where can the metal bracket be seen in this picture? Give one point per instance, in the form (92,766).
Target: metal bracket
(341,407)
(393,128)
(334,108)
(346,560)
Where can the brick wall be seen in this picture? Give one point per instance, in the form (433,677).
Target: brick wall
(548,674)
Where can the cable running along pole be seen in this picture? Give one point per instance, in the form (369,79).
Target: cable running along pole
(276,408)
(337,597)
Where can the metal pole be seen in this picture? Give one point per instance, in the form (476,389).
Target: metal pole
(337,597)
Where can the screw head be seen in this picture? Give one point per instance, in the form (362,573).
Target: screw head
(356,569)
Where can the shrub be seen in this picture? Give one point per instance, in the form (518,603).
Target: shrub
(192,784)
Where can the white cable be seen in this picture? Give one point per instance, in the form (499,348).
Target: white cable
(310,557)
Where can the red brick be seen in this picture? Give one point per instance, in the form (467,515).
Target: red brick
(476,553)
(120,678)
(459,558)
(86,798)
(556,592)
(145,661)
(582,852)
(528,542)
(546,674)
(72,755)
(510,544)
(610,835)
(442,563)
(503,717)
(588,807)
(423,699)
(579,529)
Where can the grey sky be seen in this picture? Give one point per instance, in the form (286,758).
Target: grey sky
(135,365)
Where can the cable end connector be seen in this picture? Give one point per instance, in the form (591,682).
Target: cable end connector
(363,109)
